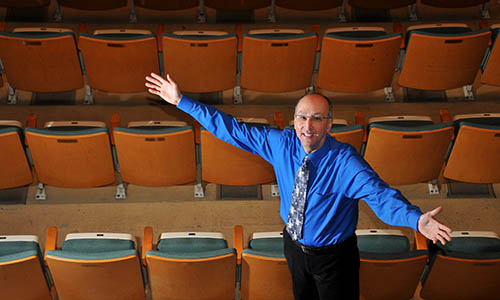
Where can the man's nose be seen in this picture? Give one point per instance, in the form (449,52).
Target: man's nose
(309,123)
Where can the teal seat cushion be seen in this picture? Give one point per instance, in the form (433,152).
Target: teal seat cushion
(18,255)
(267,247)
(361,35)
(195,37)
(279,36)
(338,128)
(96,245)
(191,254)
(392,256)
(187,244)
(9,248)
(153,129)
(118,36)
(191,248)
(472,248)
(67,131)
(388,244)
(92,255)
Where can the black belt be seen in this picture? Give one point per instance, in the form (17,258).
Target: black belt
(311,250)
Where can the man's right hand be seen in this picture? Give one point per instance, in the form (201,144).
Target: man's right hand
(166,88)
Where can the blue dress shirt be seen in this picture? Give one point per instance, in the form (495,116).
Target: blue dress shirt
(338,177)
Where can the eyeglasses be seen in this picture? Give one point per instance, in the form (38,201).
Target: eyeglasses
(313,118)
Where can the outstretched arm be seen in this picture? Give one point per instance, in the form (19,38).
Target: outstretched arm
(166,88)
(433,229)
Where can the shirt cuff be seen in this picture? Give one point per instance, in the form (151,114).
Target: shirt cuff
(185,104)
(413,220)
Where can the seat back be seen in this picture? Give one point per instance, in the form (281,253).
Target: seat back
(469,265)
(97,266)
(156,157)
(192,265)
(406,155)
(41,62)
(491,69)
(167,5)
(381,4)
(119,62)
(264,271)
(21,270)
(201,63)
(24,4)
(386,256)
(277,63)
(346,54)
(351,134)
(454,3)
(237,5)
(313,5)
(239,167)
(440,61)
(74,158)
(474,156)
(93,4)
(15,170)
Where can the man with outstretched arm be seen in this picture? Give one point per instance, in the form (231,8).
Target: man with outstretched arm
(320,182)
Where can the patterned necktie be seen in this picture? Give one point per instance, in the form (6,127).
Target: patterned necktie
(296,214)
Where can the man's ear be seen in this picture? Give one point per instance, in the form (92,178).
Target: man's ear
(330,124)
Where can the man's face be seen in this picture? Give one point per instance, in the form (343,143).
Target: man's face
(311,122)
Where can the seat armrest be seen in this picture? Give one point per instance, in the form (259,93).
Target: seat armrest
(238,241)
(50,240)
(420,241)
(147,242)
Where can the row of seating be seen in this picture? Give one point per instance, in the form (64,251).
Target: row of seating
(246,5)
(429,57)
(156,153)
(200,265)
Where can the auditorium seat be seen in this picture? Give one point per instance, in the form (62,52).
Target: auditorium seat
(118,60)
(240,167)
(491,64)
(264,271)
(156,153)
(72,154)
(15,170)
(348,52)
(351,134)
(386,5)
(474,155)
(237,5)
(468,267)
(40,60)
(442,57)
(454,3)
(88,5)
(22,272)
(189,265)
(415,147)
(166,5)
(389,267)
(277,60)
(24,3)
(201,61)
(381,4)
(98,266)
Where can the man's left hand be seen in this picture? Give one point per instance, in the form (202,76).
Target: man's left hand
(432,229)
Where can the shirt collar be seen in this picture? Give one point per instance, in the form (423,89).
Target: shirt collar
(317,155)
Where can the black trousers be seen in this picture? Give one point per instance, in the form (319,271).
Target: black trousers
(326,273)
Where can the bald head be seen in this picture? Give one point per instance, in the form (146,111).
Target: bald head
(316,99)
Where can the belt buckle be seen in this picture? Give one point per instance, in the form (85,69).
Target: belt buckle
(307,250)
